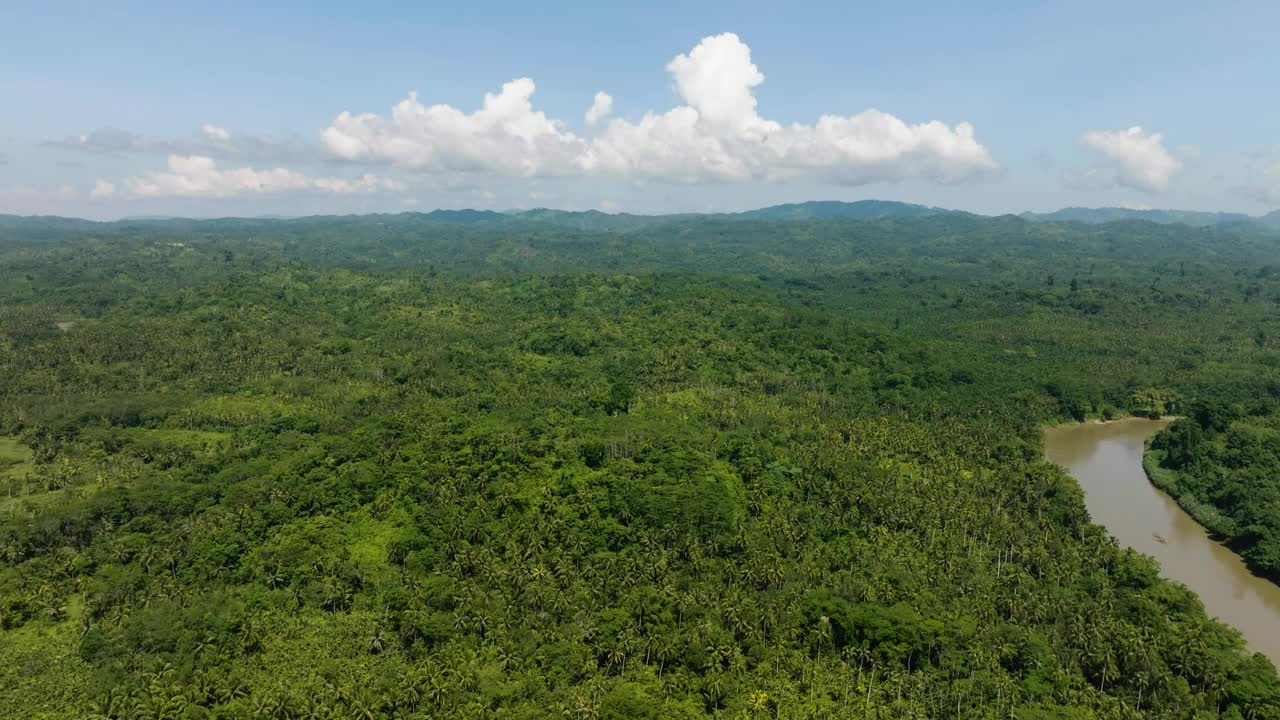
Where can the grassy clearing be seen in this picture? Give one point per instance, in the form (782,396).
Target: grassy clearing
(15,458)
(41,673)
(369,540)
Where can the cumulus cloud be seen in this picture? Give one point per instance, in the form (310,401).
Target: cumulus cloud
(716,135)
(505,135)
(102,189)
(199,176)
(1138,159)
(601,107)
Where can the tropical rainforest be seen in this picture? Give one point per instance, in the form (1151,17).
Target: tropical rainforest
(1222,463)
(587,466)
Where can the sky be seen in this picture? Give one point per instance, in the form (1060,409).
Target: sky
(123,109)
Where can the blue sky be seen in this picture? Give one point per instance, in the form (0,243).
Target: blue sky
(235,108)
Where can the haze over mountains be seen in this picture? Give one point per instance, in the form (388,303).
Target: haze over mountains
(813,210)
(1164,217)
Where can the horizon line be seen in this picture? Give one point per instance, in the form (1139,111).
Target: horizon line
(519,211)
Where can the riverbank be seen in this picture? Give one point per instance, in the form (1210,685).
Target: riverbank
(1106,460)
(1068,422)
(1217,524)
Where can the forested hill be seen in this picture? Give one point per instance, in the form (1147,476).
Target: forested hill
(831,209)
(404,466)
(953,242)
(1165,217)
(596,221)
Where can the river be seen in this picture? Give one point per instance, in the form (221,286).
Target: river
(1106,459)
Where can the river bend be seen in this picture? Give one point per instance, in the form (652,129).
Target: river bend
(1106,459)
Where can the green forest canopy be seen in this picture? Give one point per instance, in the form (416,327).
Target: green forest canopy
(394,466)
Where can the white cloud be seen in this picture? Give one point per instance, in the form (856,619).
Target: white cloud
(716,135)
(717,78)
(601,107)
(213,132)
(505,135)
(1138,159)
(199,176)
(102,189)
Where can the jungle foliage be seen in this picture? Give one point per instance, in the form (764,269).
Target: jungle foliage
(393,466)
(1222,463)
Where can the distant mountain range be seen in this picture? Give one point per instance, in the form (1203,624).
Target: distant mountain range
(862,209)
(817,210)
(595,221)
(1193,218)
(874,210)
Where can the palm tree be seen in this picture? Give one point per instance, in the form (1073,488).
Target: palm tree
(250,636)
(437,689)
(204,645)
(713,689)
(376,643)
(1143,679)
(362,708)
(275,577)
(665,649)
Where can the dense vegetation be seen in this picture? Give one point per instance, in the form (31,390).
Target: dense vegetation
(1222,463)
(393,466)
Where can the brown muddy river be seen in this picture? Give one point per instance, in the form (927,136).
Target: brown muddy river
(1106,459)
